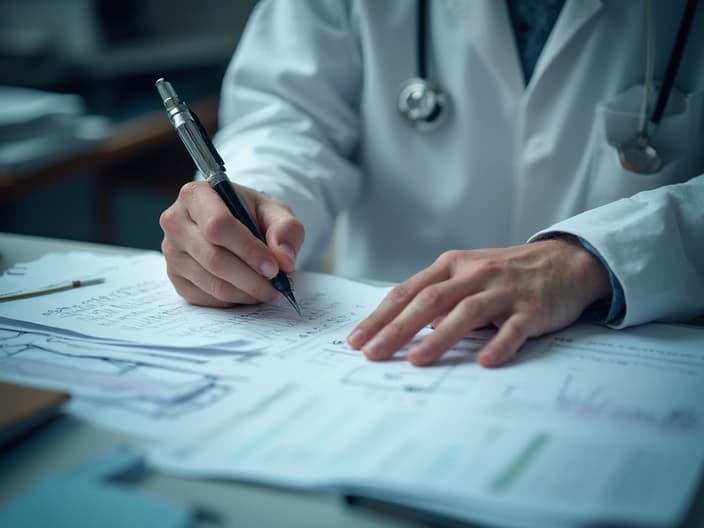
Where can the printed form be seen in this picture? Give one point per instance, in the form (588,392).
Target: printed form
(587,425)
(138,304)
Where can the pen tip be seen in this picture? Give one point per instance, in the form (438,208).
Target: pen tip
(292,301)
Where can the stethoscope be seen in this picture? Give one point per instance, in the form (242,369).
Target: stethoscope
(638,154)
(421,101)
(424,104)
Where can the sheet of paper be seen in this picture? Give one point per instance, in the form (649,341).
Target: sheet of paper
(144,392)
(589,424)
(137,358)
(137,303)
(52,270)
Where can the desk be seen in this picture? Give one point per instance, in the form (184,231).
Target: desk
(67,441)
(141,153)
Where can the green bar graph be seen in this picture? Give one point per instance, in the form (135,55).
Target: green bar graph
(513,470)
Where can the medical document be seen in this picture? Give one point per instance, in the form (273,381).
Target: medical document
(138,359)
(148,393)
(138,304)
(589,424)
(586,425)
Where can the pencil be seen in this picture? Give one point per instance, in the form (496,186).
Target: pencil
(50,289)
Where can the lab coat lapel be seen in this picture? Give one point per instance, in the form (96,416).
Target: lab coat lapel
(495,44)
(575,14)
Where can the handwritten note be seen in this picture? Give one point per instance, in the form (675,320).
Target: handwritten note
(137,303)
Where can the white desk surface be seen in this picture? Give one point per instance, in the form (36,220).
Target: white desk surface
(67,441)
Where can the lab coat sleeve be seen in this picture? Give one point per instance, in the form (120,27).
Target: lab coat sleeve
(653,242)
(288,117)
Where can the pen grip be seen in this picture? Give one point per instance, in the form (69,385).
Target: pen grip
(229,195)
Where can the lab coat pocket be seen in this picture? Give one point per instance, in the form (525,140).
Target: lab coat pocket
(677,139)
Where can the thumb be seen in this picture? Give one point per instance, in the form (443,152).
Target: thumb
(283,232)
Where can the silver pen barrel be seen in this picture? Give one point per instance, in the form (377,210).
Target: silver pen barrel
(191,134)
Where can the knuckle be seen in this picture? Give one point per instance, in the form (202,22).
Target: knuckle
(280,204)
(213,260)
(298,226)
(430,297)
(529,304)
(399,294)
(168,249)
(448,258)
(514,290)
(215,227)
(536,308)
(489,268)
(394,331)
(166,219)
(219,289)
(470,309)
(516,329)
(188,189)
(174,278)
(371,325)
(250,253)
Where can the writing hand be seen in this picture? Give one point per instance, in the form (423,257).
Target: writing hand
(525,291)
(214,260)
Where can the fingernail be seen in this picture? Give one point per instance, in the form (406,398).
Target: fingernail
(267,269)
(419,353)
(288,250)
(375,348)
(488,356)
(356,338)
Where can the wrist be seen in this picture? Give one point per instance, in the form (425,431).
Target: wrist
(587,271)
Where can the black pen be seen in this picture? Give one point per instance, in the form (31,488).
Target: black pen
(208,161)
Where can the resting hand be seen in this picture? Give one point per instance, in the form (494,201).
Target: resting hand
(525,291)
(214,260)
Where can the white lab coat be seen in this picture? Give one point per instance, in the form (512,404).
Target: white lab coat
(309,115)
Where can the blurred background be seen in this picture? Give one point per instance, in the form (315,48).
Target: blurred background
(86,150)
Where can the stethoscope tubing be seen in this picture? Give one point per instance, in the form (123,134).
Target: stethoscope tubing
(674,62)
(423,30)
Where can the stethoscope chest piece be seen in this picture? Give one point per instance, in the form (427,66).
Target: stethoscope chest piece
(639,156)
(423,103)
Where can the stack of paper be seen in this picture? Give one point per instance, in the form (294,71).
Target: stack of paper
(38,127)
(587,426)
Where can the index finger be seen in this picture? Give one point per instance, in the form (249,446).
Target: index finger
(394,302)
(220,227)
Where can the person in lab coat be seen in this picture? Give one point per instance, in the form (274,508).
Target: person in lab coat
(515,211)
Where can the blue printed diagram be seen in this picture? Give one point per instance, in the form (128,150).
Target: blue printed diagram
(451,374)
(90,371)
(570,396)
(403,377)
(594,402)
